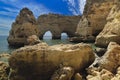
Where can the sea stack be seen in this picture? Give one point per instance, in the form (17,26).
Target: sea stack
(23,27)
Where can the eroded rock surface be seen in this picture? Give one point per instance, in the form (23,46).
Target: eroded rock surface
(111,31)
(94,17)
(39,62)
(110,60)
(96,11)
(93,20)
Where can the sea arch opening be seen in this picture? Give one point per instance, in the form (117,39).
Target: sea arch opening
(47,35)
(64,36)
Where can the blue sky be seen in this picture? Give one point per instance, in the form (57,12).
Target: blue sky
(9,9)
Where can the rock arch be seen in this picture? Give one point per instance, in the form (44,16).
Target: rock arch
(64,35)
(47,35)
(57,24)
(26,25)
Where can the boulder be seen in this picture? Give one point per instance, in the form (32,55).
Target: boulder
(32,40)
(24,26)
(39,62)
(111,31)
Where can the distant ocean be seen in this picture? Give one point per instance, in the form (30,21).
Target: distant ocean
(4,47)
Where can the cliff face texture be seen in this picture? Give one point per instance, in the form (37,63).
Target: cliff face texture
(111,31)
(24,26)
(96,12)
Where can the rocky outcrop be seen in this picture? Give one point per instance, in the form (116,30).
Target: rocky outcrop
(110,60)
(103,74)
(94,17)
(57,24)
(100,75)
(83,28)
(108,66)
(83,32)
(24,26)
(111,31)
(93,20)
(39,62)
(96,11)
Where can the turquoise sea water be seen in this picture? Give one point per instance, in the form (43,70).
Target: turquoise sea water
(4,47)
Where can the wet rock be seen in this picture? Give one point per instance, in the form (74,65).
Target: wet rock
(40,61)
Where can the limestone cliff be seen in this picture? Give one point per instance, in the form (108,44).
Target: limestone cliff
(95,12)
(24,26)
(111,31)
